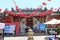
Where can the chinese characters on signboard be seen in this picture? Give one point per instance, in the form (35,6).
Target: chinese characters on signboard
(9,28)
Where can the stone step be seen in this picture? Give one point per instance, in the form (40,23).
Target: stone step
(25,34)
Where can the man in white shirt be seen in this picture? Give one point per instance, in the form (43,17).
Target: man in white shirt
(22,27)
(35,26)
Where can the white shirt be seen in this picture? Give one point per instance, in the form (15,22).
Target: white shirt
(22,27)
(35,26)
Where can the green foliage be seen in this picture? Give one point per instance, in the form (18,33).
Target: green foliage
(58,29)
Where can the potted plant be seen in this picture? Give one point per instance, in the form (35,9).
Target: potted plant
(58,30)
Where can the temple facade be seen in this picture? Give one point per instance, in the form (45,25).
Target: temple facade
(23,22)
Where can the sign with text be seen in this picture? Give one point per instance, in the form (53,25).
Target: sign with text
(9,28)
(42,27)
(2,25)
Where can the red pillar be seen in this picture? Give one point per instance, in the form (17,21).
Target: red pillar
(17,28)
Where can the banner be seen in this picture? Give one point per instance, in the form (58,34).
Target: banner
(9,28)
(42,27)
(2,25)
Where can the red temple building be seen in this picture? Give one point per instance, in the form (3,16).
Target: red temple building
(28,17)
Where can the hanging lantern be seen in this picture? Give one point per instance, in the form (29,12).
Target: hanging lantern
(50,12)
(16,7)
(59,8)
(7,12)
(44,3)
(31,15)
(13,14)
(10,14)
(55,9)
(44,13)
(0,10)
(16,15)
(49,0)
(27,16)
(4,11)
(22,15)
(40,14)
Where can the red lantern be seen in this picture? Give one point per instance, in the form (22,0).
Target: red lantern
(0,10)
(16,7)
(13,14)
(16,15)
(10,14)
(50,12)
(5,12)
(40,14)
(31,15)
(55,9)
(49,0)
(59,8)
(44,13)
(22,15)
(44,3)
(27,16)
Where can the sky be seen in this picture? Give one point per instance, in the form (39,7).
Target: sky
(23,4)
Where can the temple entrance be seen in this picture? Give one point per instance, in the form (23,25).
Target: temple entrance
(29,22)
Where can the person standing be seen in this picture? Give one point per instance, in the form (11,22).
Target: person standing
(35,26)
(22,27)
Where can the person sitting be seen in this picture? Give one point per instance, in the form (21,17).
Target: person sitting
(26,29)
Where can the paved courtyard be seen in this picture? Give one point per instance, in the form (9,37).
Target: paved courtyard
(25,38)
